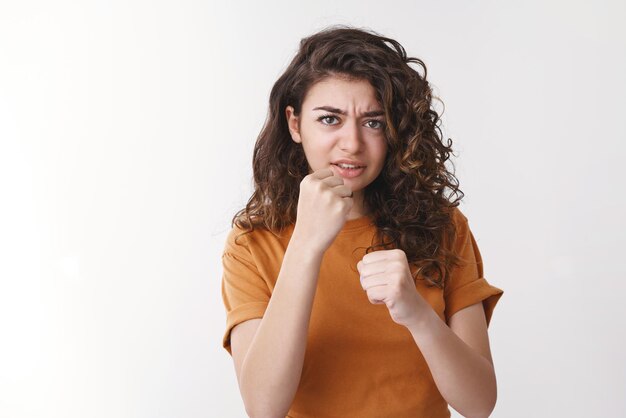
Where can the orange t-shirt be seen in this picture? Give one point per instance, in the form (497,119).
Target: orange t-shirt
(358,362)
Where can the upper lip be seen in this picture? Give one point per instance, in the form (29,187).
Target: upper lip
(351,162)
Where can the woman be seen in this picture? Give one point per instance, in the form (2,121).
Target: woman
(353,286)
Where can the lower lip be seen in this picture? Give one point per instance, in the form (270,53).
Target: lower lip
(349,173)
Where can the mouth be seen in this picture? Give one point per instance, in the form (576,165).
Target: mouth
(348,170)
(348,166)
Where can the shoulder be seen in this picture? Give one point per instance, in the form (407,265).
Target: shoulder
(458,217)
(459,222)
(240,239)
(460,225)
(237,236)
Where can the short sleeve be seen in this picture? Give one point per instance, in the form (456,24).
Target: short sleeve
(467,285)
(244,291)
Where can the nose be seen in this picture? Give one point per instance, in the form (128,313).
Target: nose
(350,139)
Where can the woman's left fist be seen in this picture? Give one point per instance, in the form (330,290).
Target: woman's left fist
(386,277)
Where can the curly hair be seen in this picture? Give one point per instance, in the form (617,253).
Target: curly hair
(407,201)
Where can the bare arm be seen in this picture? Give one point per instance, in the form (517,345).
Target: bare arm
(459,359)
(272,366)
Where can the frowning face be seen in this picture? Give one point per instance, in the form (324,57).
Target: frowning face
(341,125)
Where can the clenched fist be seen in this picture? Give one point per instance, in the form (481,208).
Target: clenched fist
(386,277)
(323,207)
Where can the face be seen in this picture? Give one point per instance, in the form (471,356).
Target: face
(341,125)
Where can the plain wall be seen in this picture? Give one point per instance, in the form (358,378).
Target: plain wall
(126,137)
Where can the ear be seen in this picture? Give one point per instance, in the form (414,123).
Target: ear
(293,123)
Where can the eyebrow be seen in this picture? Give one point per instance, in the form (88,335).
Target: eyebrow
(343,112)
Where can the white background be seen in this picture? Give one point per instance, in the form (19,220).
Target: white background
(126,136)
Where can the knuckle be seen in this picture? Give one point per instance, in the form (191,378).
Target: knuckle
(307,180)
(398,252)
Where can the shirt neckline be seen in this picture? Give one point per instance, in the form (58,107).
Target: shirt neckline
(357,223)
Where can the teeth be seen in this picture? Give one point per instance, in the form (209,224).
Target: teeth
(347,166)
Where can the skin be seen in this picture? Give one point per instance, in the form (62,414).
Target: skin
(353,136)
(457,355)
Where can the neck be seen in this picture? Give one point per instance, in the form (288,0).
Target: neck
(358,208)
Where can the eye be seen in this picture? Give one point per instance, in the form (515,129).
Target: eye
(378,124)
(325,117)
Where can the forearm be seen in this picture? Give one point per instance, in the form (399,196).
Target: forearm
(273,365)
(464,378)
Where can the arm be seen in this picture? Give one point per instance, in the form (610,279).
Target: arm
(458,356)
(271,370)
(273,364)
(459,359)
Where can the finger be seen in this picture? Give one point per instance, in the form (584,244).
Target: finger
(369,269)
(333,181)
(322,173)
(366,269)
(343,191)
(379,255)
(377,295)
(370,282)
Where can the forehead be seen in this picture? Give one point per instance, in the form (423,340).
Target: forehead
(342,93)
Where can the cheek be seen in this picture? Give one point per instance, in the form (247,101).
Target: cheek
(316,152)
(381,152)
(318,146)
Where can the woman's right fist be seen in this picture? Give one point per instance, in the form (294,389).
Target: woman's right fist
(323,207)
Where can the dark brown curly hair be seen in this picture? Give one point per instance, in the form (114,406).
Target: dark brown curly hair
(407,200)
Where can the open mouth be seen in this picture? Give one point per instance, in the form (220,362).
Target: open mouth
(349,171)
(349,166)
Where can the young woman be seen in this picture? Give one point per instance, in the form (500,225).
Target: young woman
(352,284)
